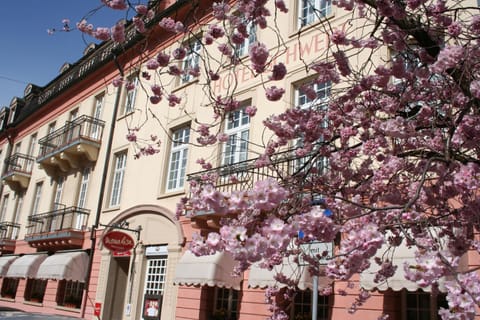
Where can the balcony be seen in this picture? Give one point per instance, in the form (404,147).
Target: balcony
(72,146)
(18,170)
(8,236)
(286,167)
(57,229)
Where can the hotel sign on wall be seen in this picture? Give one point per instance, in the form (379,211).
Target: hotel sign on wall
(118,241)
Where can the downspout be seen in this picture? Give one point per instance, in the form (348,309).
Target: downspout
(106,164)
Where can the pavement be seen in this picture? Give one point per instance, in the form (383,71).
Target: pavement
(15,314)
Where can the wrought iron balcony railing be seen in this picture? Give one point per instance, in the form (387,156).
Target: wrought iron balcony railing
(283,166)
(18,170)
(70,218)
(9,230)
(76,141)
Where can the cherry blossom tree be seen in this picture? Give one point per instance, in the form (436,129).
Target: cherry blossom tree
(392,155)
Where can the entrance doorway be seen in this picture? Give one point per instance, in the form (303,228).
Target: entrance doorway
(117,288)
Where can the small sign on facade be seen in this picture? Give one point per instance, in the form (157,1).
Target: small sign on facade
(322,251)
(118,241)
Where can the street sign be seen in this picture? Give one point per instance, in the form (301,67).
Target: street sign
(321,251)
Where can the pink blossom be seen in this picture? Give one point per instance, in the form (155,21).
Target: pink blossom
(342,63)
(448,57)
(220,10)
(213,75)
(475,88)
(454,29)
(173,100)
(215,31)
(139,24)
(152,64)
(156,89)
(131,136)
(85,27)
(274,94)
(179,53)
(258,54)
(279,71)
(141,9)
(116,4)
(118,32)
(251,111)
(163,59)
(280,4)
(339,37)
(101,34)
(117,82)
(225,49)
(155,99)
(222,137)
(168,24)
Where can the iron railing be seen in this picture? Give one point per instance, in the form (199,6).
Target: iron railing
(83,129)
(9,230)
(285,167)
(70,218)
(18,163)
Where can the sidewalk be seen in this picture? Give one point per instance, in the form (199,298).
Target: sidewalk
(4,315)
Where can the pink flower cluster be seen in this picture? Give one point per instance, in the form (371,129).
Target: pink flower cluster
(258,54)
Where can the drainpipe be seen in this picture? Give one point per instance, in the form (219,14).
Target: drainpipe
(106,164)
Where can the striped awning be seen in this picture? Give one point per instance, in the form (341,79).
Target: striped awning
(25,266)
(5,262)
(65,266)
(262,278)
(212,270)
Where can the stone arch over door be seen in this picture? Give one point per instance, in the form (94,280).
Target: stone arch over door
(159,228)
(149,217)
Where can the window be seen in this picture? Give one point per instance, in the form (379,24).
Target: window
(118,175)
(57,201)
(82,196)
(9,288)
(12,114)
(35,290)
(226,303)
(32,145)
(420,305)
(310,11)
(51,128)
(191,61)
(82,193)
(302,306)
(178,159)
(36,198)
(69,294)
(17,214)
(312,163)
(156,275)
(242,49)
(18,147)
(237,129)
(3,212)
(131,87)
(97,114)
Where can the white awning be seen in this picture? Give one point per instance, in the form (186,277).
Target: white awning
(65,266)
(5,262)
(262,278)
(212,270)
(25,266)
(402,254)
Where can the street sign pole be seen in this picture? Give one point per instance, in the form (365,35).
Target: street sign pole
(315,297)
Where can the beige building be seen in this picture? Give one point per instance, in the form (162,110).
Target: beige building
(70,176)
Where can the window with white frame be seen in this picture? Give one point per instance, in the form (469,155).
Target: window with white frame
(36,198)
(17,213)
(3,212)
(118,175)
(56,220)
(156,275)
(421,305)
(225,303)
(82,191)
(178,159)
(235,149)
(191,62)
(242,49)
(12,114)
(97,114)
(313,162)
(82,196)
(32,145)
(310,11)
(131,88)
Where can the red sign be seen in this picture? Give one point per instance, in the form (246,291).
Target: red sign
(122,253)
(97,309)
(118,241)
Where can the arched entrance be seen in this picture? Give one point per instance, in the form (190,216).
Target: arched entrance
(139,284)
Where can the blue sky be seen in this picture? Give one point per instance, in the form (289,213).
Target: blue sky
(28,54)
